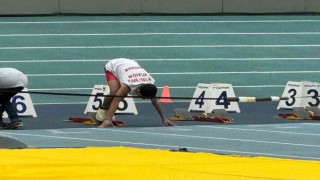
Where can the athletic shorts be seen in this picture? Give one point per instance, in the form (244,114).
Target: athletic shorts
(9,93)
(109,75)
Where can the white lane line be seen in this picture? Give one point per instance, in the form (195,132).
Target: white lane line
(287,127)
(213,138)
(167,46)
(161,21)
(160,60)
(157,33)
(259,130)
(171,129)
(66,132)
(185,73)
(173,135)
(148,145)
(171,87)
(312,124)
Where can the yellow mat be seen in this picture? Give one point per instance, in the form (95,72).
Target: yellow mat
(134,163)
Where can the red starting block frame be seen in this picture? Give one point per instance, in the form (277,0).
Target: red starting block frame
(301,113)
(218,115)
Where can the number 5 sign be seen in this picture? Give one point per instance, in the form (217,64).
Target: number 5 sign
(23,105)
(219,94)
(126,106)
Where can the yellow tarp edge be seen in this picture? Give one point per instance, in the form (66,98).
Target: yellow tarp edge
(136,163)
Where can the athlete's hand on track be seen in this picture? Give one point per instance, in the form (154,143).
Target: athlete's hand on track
(106,123)
(167,122)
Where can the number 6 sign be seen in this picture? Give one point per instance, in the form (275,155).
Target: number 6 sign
(23,105)
(126,106)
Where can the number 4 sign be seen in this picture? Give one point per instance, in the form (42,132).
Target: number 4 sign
(219,94)
(23,105)
(126,106)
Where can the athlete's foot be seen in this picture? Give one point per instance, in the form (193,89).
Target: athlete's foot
(101,114)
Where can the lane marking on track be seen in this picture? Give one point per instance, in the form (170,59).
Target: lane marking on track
(167,46)
(148,145)
(160,60)
(157,33)
(162,21)
(260,130)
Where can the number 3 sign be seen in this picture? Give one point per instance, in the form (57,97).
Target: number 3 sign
(300,94)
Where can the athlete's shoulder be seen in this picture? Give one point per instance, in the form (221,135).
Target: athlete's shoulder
(10,71)
(121,59)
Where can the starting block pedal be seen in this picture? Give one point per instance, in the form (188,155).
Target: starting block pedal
(218,115)
(314,112)
(222,113)
(299,113)
(93,118)
(93,121)
(181,114)
(210,117)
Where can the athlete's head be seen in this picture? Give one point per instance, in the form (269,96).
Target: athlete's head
(148,90)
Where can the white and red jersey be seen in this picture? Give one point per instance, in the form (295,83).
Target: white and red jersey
(12,78)
(129,72)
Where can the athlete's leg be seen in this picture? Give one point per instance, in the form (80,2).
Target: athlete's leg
(8,107)
(114,86)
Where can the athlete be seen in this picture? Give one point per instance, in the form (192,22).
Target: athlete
(126,76)
(12,81)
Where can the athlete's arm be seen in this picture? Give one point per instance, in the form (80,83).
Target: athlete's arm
(121,94)
(156,105)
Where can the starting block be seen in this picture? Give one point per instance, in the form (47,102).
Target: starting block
(211,118)
(93,118)
(299,113)
(314,112)
(222,113)
(181,114)
(218,115)
(93,121)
